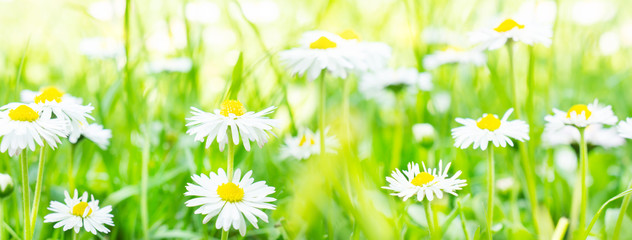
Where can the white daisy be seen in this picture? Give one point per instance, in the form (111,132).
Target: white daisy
(596,135)
(78,212)
(454,55)
(51,101)
(625,128)
(97,134)
(306,144)
(231,201)
(101,48)
(324,53)
(489,129)
(581,115)
(424,133)
(427,184)
(383,85)
(528,32)
(22,127)
(250,126)
(181,65)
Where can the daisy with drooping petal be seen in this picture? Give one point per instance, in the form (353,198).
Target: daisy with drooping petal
(77,212)
(324,53)
(430,183)
(306,144)
(383,85)
(52,101)
(232,202)
(625,128)
(581,116)
(249,126)
(518,30)
(454,55)
(21,127)
(97,134)
(489,129)
(596,135)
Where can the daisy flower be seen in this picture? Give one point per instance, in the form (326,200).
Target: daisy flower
(596,135)
(581,115)
(625,128)
(21,127)
(101,48)
(77,212)
(97,134)
(455,55)
(427,184)
(383,85)
(232,202)
(250,126)
(306,144)
(489,129)
(53,101)
(323,53)
(518,30)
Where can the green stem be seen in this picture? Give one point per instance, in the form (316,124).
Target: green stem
(38,188)
(594,219)
(230,161)
(436,224)
(25,195)
(463,221)
(431,227)
(490,190)
(560,229)
(71,169)
(224,235)
(144,188)
(321,113)
(75,235)
(622,211)
(2,219)
(584,171)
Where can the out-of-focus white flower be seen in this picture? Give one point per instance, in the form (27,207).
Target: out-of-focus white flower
(566,159)
(504,184)
(101,48)
(182,65)
(307,143)
(424,133)
(261,11)
(382,85)
(609,43)
(539,11)
(625,128)
(454,55)
(596,135)
(489,128)
(167,38)
(441,101)
(592,11)
(518,30)
(97,134)
(202,12)
(439,35)
(6,185)
(107,10)
(324,54)
(626,33)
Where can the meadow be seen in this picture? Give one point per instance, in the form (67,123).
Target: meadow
(327,119)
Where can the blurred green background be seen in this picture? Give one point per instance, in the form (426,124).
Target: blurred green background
(79,46)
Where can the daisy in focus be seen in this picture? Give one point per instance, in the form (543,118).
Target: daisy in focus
(21,127)
(625,128)
(489,128)
(581,116)
(232,202)
(323,53)
(596,135)
(54,103)
(430,183)
(384,85)
(306,144)
(97,134)
(518,30)
(249,126)
(77,212)
(453,55)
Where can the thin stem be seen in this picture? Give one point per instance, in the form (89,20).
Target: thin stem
(71,168)
(144,188)
(436,224)
(75,235)
(230,161)
(560,229)
(224,235)
(25,196)
(321,114)
(584,172)
(490,190)
(463,221)
(38,188)
(2,219)
(431,227)
(622,211)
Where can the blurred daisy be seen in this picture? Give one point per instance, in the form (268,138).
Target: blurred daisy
(51,101)
(306,144)
(181,65)
(425,134)
(512,30)
(77,212)
(250,126)
(6,185)
(101,48)
(97,134)
(427,184)
(383,85)
(581,115)
(324,53)
(230,201)
(22,127)
(625,128)
(596,135)
(454,55)
(489,129)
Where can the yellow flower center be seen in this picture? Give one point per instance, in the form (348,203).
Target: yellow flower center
(23,113)
(508,25)
(349,35)
(322,43)
(80,208)
(422,179)
(49,94)
(578,109)
(489,122)
(230,192)
(232,106)
(304,140)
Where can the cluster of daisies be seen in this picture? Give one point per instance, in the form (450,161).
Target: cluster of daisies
(46,117)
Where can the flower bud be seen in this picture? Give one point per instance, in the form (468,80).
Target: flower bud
(6,185)
(424,134)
